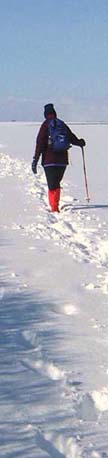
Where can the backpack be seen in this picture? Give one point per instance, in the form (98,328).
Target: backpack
(57,135)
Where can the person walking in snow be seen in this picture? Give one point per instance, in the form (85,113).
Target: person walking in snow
(54,160)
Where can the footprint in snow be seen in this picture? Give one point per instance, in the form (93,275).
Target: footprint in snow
(91,286)
(13,275)
(70,309)
(46,444)
(46,369)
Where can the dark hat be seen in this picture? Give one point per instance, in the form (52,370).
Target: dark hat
(49,109)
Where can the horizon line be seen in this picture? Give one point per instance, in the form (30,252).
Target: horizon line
(70,122)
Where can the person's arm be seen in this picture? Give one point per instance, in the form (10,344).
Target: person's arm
(40,146)
(74,140)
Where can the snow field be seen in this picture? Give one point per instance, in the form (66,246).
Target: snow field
(54,320)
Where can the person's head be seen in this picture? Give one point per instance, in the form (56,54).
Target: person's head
(49,111)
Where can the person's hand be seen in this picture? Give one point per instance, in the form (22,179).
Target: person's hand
(34,166)
(82,142)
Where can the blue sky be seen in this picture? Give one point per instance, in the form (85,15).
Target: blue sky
(54,51)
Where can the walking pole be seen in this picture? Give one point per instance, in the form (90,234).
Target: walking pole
(85,175)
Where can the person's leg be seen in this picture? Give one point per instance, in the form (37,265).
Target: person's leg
(54,175)
(54,197)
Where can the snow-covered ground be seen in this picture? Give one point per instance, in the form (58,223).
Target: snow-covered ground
(53,301)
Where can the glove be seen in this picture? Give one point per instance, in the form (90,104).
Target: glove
(34,166)
(82,142)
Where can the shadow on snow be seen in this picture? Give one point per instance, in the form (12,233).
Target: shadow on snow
(84,206)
